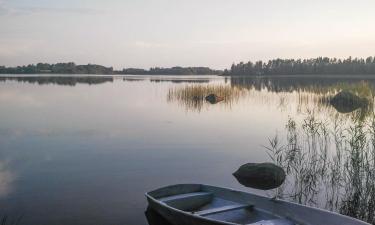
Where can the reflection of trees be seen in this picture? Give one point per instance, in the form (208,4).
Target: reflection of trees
(314,84)
(171,79)
(316,90)
(329,163)
(154,218)
(156,80)
(132,79)
(70,81)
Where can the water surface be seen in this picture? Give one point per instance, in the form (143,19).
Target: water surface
(84,150)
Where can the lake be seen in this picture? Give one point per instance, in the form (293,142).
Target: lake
(84,150)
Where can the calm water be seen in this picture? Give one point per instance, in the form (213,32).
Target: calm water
(85,150)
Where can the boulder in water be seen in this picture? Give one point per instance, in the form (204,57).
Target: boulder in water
(346,101)
(264,176)
(213,99)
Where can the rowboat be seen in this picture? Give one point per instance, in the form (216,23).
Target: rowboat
(199,204)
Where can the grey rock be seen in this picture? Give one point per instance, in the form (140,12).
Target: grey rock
(346,101)
(213,99)
(262,176)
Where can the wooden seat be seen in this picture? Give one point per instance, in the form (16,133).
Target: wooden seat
(221,209)
(189,201)
(273,222)
(185,196)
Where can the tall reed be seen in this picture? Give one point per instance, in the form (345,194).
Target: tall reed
(329,164)
(193,96)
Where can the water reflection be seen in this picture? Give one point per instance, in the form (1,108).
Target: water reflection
(158,80)
(68,144)
(154,218)
(6,180)
(305,93)
(132,79)
(307,90)
(315,84)
(171,79)
(329,164)
(60,80)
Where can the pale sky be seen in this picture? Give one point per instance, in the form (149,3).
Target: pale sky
(214,33)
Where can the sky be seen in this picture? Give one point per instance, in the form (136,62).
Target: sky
(214,33)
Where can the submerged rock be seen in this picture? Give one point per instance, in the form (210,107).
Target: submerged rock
(213,99)
(345,102)
(262,176)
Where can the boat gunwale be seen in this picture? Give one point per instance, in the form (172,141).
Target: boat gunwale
(147,194)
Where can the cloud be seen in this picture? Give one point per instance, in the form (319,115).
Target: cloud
(5,9)
(143,44)
(32,10)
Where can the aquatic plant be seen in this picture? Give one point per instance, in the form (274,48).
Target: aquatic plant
(193,96)
(6,220)
(329,164)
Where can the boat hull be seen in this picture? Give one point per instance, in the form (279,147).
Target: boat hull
(275,210)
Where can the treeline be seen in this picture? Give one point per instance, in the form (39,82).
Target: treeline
(315,66)
(72,68)
(321,65)
(58,68)
(173,71)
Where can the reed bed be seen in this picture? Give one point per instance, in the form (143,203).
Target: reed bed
(193,96)
(329,164)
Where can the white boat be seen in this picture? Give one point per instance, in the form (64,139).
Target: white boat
(198,204)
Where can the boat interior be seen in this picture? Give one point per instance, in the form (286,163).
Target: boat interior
(210,204)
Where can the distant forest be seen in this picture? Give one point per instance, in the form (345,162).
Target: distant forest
(321,65)
(72,68)
(58,68)
(315,66)
(173,71)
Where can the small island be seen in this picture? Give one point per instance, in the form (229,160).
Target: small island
(72,68)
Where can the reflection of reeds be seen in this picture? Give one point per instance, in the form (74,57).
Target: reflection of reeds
(363,90)
(5,220)
(193,96)
(316,85)
(359,171)
(342,179)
